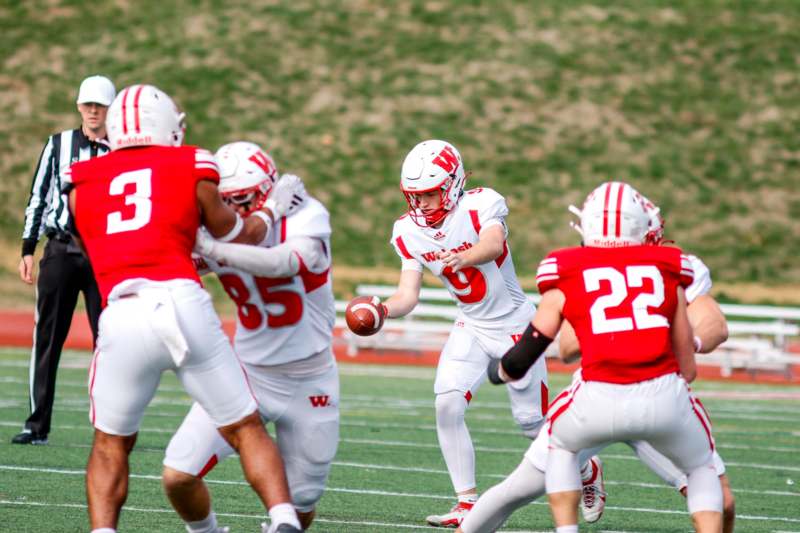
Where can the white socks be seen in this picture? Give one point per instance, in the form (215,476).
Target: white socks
(468,498)
(207,525)
(454,439)
(284,513)
(104,530)
(567,529)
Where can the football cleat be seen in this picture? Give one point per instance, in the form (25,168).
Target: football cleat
(593,500)
(28,437)
(453,518)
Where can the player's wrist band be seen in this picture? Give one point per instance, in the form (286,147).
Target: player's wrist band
(237,229)
(263,216)
(520,357)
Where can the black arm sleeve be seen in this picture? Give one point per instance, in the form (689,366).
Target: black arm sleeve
(520,357)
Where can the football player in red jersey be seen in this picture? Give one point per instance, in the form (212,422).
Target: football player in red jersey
(627,305)
(710,330)
(137,212)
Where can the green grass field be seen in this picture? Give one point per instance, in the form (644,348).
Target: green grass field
(388,474)
(693,102)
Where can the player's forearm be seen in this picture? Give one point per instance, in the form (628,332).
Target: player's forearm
(400,304)
(254,229)
(277,262)
(569,349)
(681,332)
(708,324)
(483,252)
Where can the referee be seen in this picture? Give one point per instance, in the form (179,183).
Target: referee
(64,270)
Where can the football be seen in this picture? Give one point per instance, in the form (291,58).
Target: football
(364,315)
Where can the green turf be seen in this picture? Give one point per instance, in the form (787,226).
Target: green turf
(388,473)
(694,102)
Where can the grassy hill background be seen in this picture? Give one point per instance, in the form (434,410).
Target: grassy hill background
(693,102)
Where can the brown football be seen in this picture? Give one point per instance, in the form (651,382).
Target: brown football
(363,316)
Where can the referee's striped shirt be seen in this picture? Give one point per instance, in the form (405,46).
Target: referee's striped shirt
(47,210)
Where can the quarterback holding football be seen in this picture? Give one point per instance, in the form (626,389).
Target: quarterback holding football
(461,237)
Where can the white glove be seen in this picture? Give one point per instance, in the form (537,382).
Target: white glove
(204,243)
(286,196)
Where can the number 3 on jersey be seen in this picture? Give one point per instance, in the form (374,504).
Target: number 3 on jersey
(620,283)
(139,199)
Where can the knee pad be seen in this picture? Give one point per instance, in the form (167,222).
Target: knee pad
(450,408)
(704,490)
(529,424)
(308,450)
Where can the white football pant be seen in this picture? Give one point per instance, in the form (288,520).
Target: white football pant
(166,326)
(302,399)
(461,372)
(660,411)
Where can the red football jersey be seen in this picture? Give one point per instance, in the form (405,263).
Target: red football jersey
(136,212)
(621,302)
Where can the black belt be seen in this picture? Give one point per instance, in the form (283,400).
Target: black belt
(60,236)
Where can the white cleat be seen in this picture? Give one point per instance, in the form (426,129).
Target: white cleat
(593,500)
(453,518)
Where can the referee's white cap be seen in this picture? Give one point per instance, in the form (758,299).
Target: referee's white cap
(98,90)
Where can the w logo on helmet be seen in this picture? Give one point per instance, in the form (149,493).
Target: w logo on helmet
(264,162)
(447,160)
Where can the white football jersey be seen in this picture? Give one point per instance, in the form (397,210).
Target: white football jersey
(280,320)
(702,279)
(482,292)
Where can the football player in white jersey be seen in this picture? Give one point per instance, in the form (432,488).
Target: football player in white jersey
(460,236)
(286,314)
(526,483)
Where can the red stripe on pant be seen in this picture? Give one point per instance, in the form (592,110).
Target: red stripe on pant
(552,418)
(209,465)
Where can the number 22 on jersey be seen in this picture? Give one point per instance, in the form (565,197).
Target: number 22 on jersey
(620,283)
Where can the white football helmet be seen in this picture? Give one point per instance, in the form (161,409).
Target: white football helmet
(247,174)
(613,215)
(432,165)
(143,115)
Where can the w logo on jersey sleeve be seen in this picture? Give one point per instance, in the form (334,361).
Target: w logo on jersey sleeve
(547,275)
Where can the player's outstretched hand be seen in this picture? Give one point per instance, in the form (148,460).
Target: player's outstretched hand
(286,196)
(495,372)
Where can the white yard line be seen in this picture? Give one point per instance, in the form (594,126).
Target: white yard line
(392,494)
(431,445)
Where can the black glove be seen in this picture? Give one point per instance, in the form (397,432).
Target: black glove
(493,371)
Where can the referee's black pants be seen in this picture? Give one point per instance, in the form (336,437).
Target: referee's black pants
(63,273)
